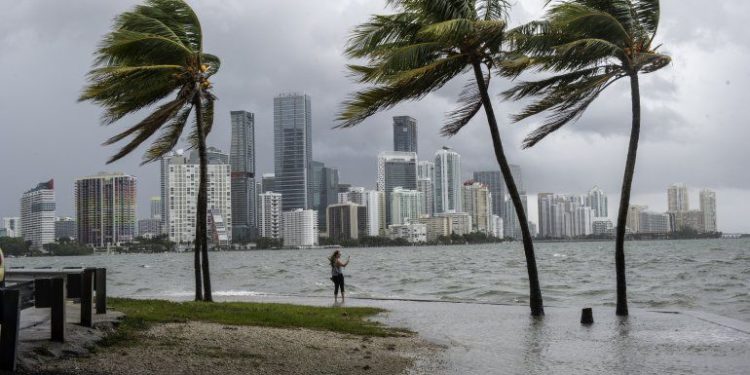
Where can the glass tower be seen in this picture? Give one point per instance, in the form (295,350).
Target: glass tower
(292,120)
(404,134)
(242,161)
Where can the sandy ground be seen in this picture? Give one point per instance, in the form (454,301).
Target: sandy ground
(207,348)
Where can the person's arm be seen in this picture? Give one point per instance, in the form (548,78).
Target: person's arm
(342,264)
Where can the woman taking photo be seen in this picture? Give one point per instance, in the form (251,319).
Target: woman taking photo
(337,276)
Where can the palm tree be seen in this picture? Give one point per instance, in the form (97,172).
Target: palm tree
(155,53)
(417,50)
(588,45)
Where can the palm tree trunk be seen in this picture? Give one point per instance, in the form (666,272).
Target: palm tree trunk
(199,230)
(627,183)
(535,292)
(202,211)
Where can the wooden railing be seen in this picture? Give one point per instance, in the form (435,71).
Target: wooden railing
(47,288)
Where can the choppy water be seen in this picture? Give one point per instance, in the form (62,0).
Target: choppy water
(710,275)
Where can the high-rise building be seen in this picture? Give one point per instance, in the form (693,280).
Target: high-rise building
(396,169)
(149,228)
(437,226)
(38,214)
(65,227)
(374,201)
(269,215)
(404,134)
(268,182)
(477,202)
(424,186)
(512,227)
(447,181)
(12,226)
(633,221)
(242,161)
(497,227)
(426,169)
(346,221)
(677,198)
(300,228)
(460,222)
(654,223)
(326,191)
(496,186)
(156,206)
(218,229)
(181,180)
(292,118)
(708,207)
(105,209)
(406,205)
(597,200)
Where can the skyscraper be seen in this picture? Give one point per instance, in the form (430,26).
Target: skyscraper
(404,134)
(374,201)
(496,186)
(292,118)
(426,169)
(477,202)
(326,190)
(512,227)
(406,205)
(156,206)
(677,198)
(242,160)
(105,209)
(346,221)
(38,214)
(447,183)
(597,200)
(425,186)
(396,169)
(12,226)
(181,182)
(708,207)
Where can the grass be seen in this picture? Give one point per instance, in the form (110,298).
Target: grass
(140,314)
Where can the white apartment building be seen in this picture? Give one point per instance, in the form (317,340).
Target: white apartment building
(497,226)
(300,228)
(182,176)
(708,207)
(460,222)
(447,183)
(38,214)
(406,205)
(374,201)
(269,215)
(413,232)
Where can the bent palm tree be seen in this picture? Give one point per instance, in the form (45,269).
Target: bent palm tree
(588,44)
(416,51)
(153,52)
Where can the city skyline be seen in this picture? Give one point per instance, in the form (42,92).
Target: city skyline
(591,152)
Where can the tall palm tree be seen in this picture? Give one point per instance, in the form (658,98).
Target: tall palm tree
(588,45)
(417,50)
(155,53)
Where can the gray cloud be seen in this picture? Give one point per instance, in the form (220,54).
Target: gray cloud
(694,111)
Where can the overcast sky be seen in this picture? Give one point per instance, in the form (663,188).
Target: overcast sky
(695,120)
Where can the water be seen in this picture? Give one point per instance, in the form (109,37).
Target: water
(709,275)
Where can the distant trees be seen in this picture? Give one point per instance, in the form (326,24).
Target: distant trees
(15,246)
(66,247)
(153,52)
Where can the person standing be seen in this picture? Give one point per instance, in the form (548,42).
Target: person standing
(337,275)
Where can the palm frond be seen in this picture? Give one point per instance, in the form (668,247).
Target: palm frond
(146,128)
(492,9)
(170,135)
(470,103)
(409,85)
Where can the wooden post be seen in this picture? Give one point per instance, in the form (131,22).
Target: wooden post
(57,313)
(587,316)
(101,290)
(10,304)
(86,296)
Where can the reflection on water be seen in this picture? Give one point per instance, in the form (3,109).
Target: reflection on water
(707,274)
